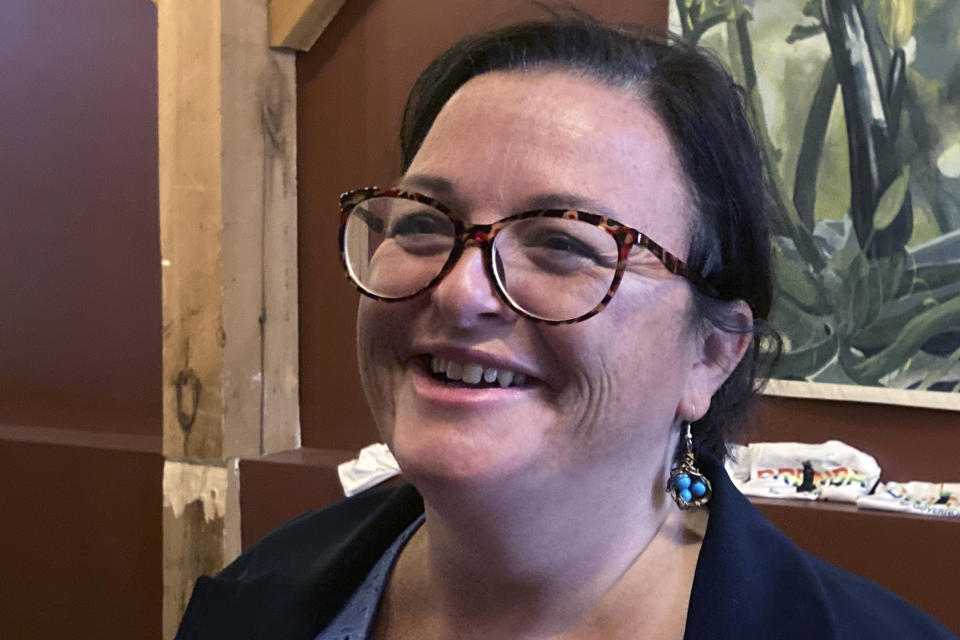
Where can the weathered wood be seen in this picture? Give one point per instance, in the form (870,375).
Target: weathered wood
(190,226)
(281,364)
(296,24)
(227,161)
(201,507)
(228,232)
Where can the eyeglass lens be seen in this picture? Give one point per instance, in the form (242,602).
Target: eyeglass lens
(550,268)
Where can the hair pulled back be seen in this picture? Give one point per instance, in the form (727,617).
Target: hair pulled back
(704,113)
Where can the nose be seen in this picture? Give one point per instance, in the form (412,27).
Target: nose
(466,296)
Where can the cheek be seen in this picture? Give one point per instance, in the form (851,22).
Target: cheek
(382,329)
(626,370)
(366,336)
(586,384)
(378,341)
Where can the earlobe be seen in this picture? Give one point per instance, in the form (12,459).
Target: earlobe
(720,351)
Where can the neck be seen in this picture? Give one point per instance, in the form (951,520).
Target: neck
(516,561)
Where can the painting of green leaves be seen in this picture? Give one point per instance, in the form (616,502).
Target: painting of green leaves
(856,105)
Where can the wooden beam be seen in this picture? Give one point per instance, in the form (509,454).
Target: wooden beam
(296,24)
(227,153)
(227,162)
(201,510)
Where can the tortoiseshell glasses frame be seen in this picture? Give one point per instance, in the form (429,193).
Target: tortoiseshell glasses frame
(465,235)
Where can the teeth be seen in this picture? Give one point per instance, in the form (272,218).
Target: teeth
(454,370)
(472,373)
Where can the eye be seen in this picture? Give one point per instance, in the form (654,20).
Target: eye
(557,246)
(422,233)
(567,247)
(420,224)
(566,244)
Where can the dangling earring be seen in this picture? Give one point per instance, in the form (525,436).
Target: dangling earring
(688,486)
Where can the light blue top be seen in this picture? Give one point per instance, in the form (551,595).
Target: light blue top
(355,620)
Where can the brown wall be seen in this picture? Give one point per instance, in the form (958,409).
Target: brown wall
(80,412)
(81,536)
(79,233)
(909,443)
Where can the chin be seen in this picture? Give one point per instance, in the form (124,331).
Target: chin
(434,452)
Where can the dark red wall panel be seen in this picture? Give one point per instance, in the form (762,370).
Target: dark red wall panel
(909,443)
(80,544)
(80,321)
(79,232)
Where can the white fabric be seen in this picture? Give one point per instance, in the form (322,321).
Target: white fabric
(374,465)
(837,471)
(915,497)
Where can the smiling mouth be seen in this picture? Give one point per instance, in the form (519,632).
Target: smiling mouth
(472,375)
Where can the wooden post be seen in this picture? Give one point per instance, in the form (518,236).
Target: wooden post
(201,529)
(227,157)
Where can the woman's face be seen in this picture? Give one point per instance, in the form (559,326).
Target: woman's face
(602,396)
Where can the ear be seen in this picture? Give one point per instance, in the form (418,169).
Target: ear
(719,351)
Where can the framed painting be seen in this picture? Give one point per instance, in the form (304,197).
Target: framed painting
(856,106)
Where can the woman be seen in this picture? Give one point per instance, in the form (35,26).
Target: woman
(576,264)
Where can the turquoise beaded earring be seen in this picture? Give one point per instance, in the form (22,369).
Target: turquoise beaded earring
(687,485)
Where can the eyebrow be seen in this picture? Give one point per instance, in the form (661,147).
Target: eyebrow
(444,190)
(566,200)
(432,185)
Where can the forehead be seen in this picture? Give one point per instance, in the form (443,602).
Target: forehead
(508,141)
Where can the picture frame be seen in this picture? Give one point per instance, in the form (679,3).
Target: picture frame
(856,108)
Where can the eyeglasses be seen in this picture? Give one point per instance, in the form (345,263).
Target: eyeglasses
(556,266)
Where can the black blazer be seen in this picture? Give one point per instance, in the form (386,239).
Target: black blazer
(750,582)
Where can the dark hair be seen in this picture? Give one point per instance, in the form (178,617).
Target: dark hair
(703,111)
